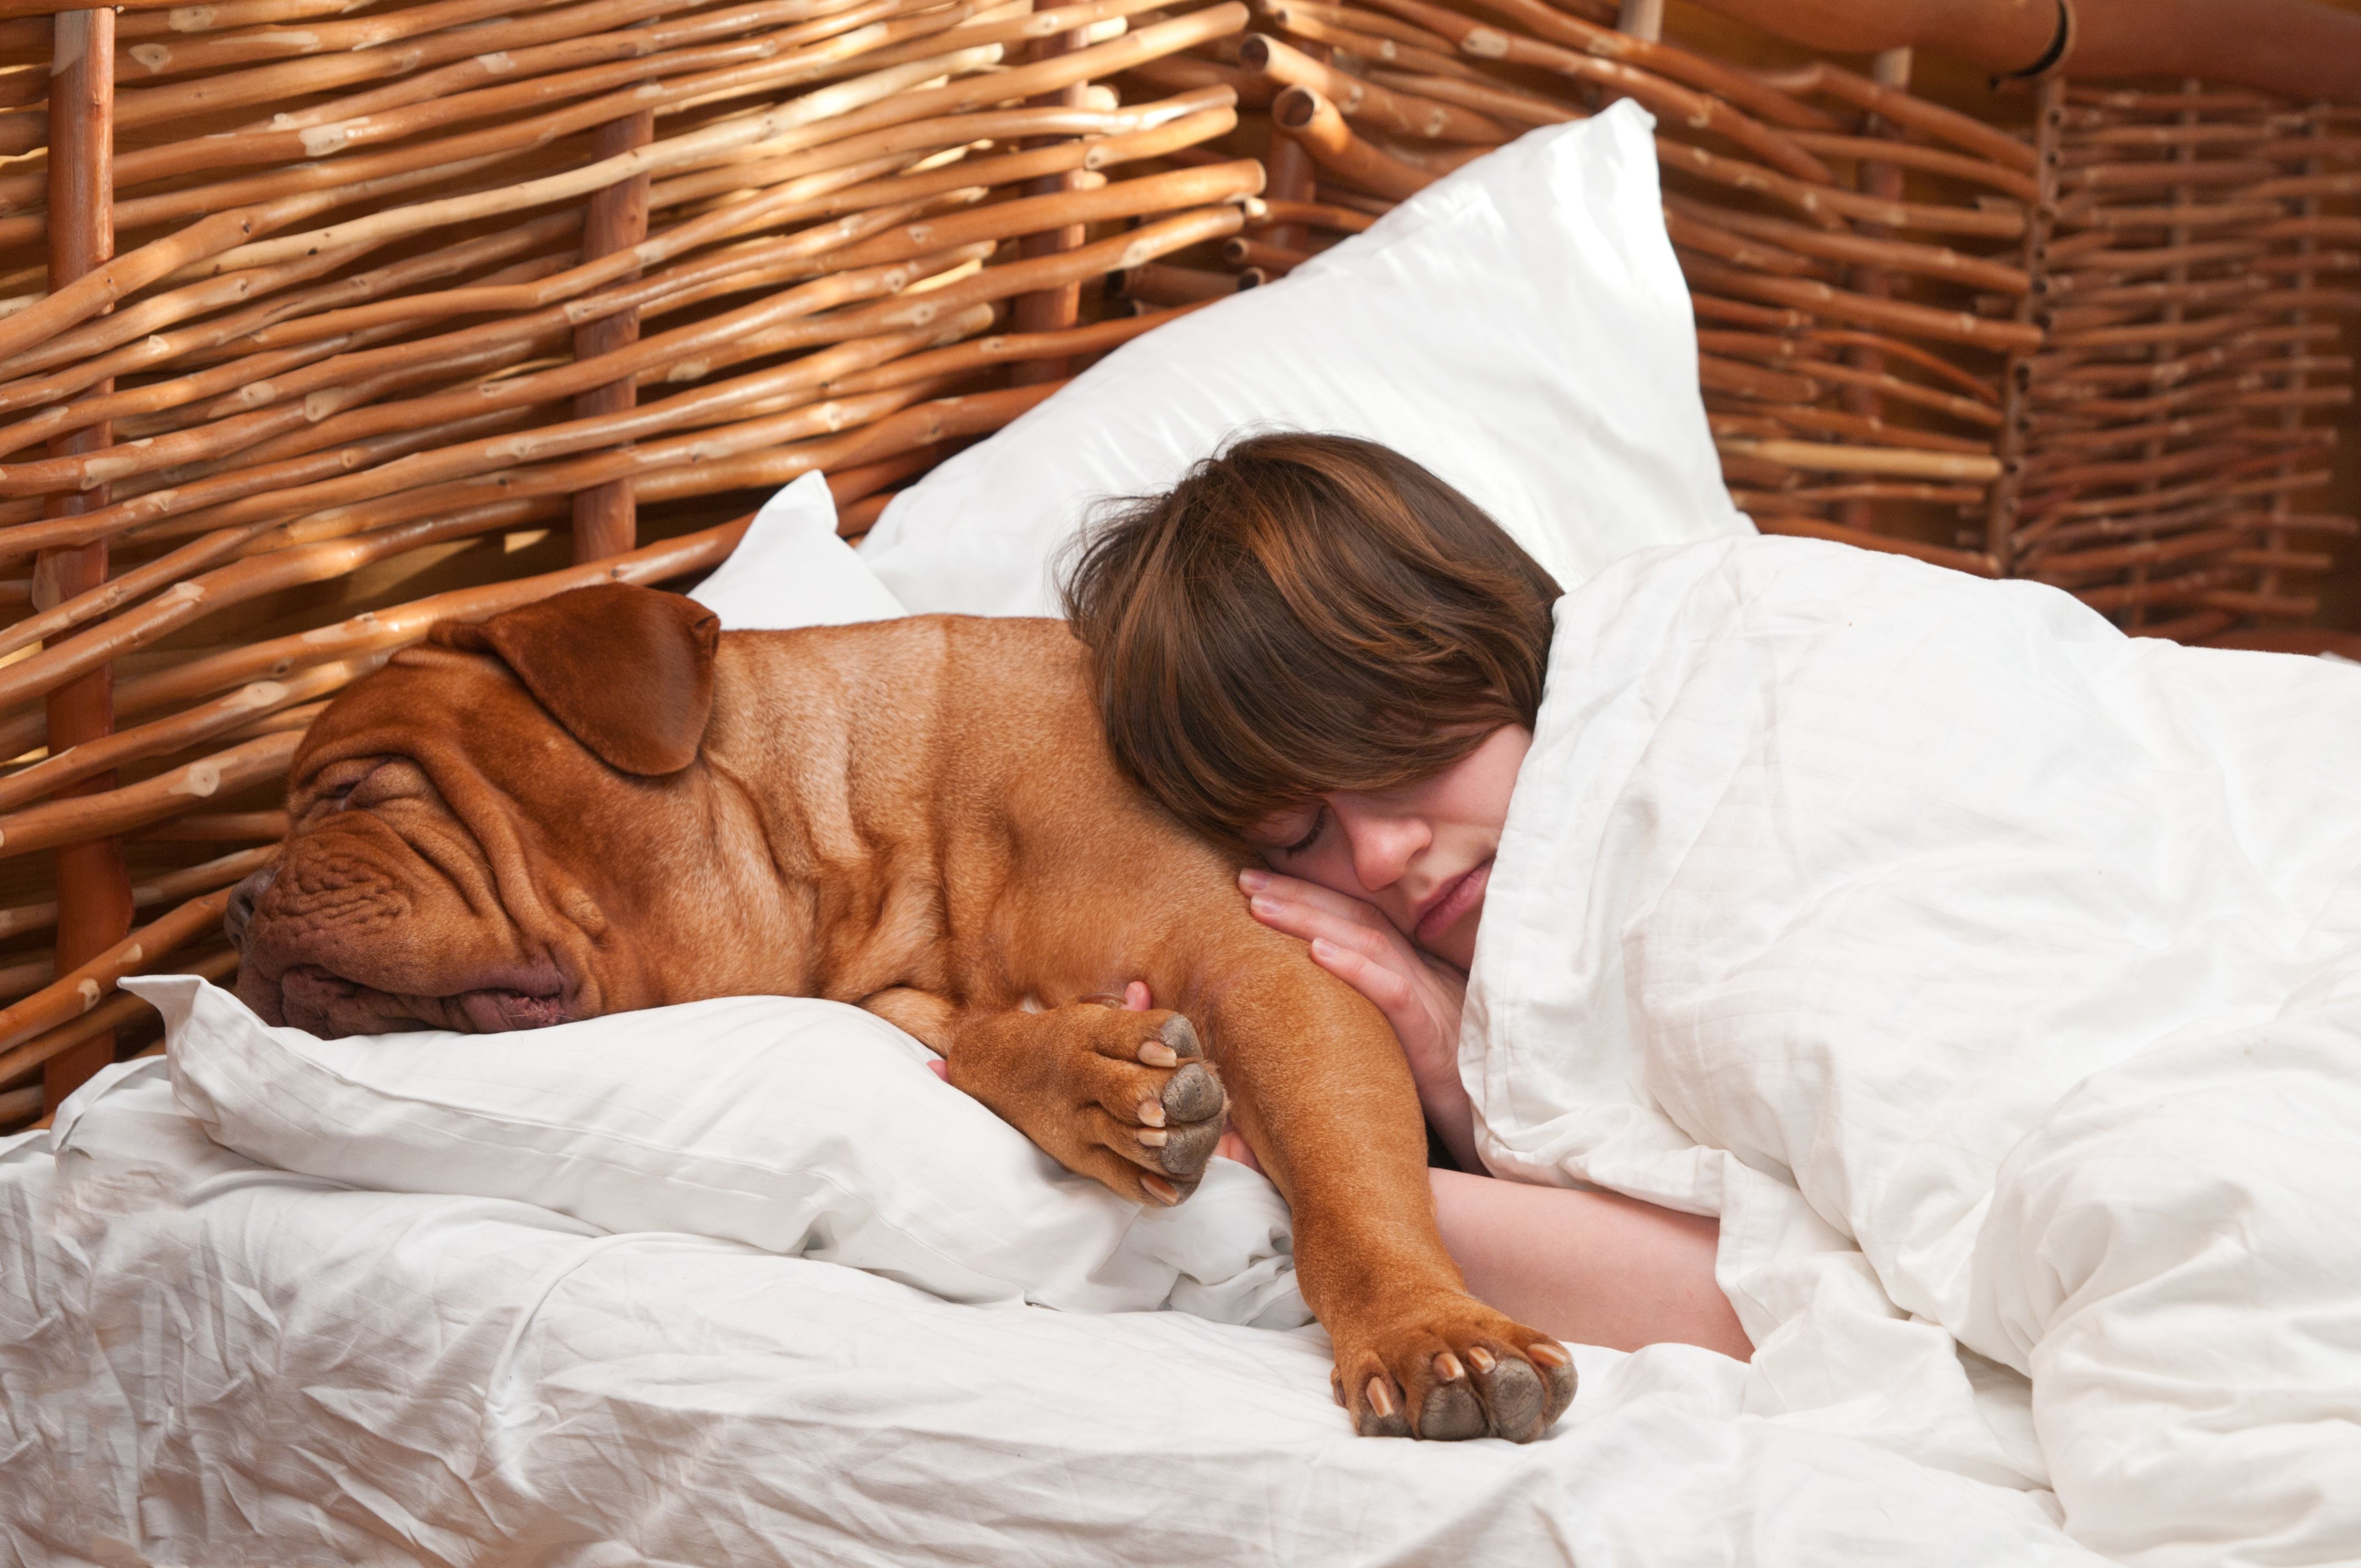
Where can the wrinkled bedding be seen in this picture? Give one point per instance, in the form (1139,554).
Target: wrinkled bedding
(1997,980)
(205,1361)
(1991,977)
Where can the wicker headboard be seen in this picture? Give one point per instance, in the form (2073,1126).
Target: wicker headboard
(325,322)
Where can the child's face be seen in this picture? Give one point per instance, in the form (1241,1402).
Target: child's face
(1422,853)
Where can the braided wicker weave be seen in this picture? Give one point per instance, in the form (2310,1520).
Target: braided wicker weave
(387,314)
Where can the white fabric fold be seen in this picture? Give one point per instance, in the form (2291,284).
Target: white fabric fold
(1994,977)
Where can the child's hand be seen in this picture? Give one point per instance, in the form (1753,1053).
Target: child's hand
(1421,997)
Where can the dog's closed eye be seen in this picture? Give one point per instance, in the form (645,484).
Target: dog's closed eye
(395,778)
(360,783)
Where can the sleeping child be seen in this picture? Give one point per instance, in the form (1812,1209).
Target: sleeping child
(1870,954)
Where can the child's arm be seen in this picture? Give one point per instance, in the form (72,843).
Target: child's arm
(1590,1268)
(1593,1268)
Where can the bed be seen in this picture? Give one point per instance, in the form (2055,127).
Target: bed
(285,1308)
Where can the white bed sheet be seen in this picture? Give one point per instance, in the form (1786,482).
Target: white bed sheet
(1995,978)
(205,1361)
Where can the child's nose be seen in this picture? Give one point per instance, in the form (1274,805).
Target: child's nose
(1383,847)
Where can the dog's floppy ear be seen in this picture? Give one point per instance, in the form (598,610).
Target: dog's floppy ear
(629,671)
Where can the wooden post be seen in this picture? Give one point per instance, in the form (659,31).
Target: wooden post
(1889,68)
(93,892)
(2017,377)
(2274,538)
(1642,19)
(2176,237)
(1289,173)
(606,520)
(1051,310)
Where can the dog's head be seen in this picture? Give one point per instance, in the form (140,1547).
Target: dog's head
(489,832)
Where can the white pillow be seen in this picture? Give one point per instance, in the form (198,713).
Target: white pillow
(792,570)
(1521,328)
(803,1127)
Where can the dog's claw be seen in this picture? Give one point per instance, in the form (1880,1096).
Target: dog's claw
(1556,1367)
(1382,1417)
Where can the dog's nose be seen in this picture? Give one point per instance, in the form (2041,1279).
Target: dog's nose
(242,900)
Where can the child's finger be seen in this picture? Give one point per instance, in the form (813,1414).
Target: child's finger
(1271,885)
(1386,987)
(1137,997)
(1305,921)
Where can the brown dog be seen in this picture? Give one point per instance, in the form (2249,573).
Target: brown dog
(600,802)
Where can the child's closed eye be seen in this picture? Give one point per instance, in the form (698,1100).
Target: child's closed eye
(1311,833)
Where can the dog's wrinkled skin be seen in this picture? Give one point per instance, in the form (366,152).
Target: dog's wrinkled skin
(600,802)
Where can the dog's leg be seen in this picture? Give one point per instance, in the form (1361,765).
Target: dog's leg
(1125,1097)
(1321,1092)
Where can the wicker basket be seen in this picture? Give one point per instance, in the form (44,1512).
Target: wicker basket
(434,309)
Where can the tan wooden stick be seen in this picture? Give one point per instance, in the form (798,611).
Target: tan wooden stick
(117,811)
(114,1011)
(1830,207)
(76,993)
(713,141)
(1747,92)
(1900,255)
(192,497)
(499,343)
(1313,122)
(165,889)
(1001,348)
(1359,100)
(188,727)
(1310,215)
(270,572)
(1498,102)
(146,321)
(1951,326)
(1668,99)
(1314,24)
(1905,108)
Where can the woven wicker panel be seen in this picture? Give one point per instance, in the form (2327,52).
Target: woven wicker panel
(429,310)
(374,351)
(2087,352)
(2168,426)
(1858,256)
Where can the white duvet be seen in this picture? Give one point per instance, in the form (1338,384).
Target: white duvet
(1980,969)
(1997,980)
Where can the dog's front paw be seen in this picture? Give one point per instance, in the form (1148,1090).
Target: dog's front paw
(1448,1368)
(1154,1104)
(1125,1095)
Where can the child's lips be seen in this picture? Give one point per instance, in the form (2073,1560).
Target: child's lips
(1452,904)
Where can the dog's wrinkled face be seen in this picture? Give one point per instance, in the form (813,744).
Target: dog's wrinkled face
(478,834)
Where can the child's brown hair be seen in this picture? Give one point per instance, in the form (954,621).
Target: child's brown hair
(1302,614)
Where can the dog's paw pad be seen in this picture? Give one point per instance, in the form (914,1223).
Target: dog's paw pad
(1194,1094)
(1183,1151)
(1514,1393)
(1458,1369)
(1452,1412)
